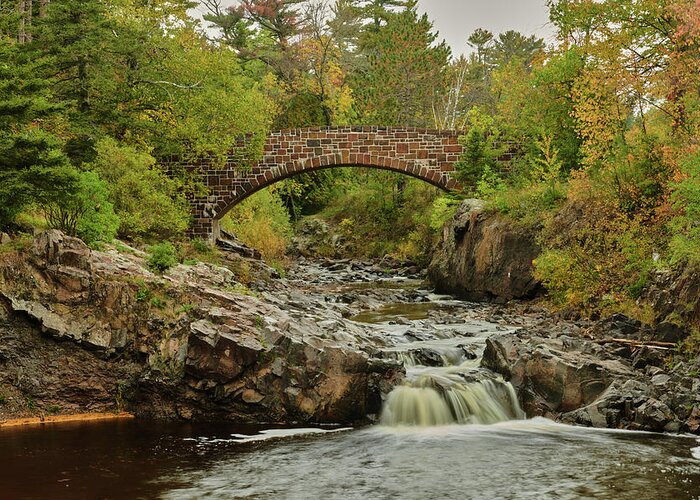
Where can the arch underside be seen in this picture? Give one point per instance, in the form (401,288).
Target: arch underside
(431,174)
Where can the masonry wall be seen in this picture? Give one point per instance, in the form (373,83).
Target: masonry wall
(426,154)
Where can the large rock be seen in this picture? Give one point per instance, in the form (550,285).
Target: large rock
(554,376)
(196,343)
(675,300)
(580,382)
(483,256)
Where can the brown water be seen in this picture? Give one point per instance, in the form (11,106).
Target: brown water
(405,310)
(510,459)
(519,459)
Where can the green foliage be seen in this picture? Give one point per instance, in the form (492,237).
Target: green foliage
(32,165)
(684,247)
(259,322)
(20,243)
(32,169)
(527,197)
(261,222)
(148,202)
(473,162)
(162,257)
(185,309)
(202,246)
(158,303)
(639,175)
(309,192)
(443,209)
(304,109)
(594,257)
(143,293)
(382,212)
(690,347)
(546,171)
(511,46)
(120,72)
(481,150)
(548,109)
(405,69)
(86,213)
(490,185)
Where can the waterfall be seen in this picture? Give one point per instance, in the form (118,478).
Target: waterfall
(455,395)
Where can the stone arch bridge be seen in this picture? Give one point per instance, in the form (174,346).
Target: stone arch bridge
(429,155)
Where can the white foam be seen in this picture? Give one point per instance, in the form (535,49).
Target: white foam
(696,451)
(264,435)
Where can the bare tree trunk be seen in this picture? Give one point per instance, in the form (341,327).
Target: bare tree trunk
(43,4)
(22,31)
(28,4)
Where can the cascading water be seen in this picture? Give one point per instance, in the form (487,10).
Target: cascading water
(442,354)
(436,399)
(449,394)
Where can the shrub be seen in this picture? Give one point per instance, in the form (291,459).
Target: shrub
(481,149)
(594,257)
(163,257)
(86,213)
(684,246)
(261,222)
(202,246)
(148,202)
(442,210)
(473,161)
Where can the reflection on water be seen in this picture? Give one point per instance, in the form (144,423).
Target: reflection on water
(518,459)
(390,312)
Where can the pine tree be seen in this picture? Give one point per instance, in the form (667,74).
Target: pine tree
(405,73)
(33,168)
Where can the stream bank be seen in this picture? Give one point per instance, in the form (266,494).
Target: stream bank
(95,331)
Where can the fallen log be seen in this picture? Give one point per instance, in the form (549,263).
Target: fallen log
(639,343)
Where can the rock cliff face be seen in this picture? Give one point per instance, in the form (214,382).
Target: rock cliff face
(483,256)
(675,296)
(186,345)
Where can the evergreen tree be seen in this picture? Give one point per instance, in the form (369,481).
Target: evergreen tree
(33,168)
(405,73)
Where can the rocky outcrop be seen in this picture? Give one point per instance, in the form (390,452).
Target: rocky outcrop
(315,238)
(192,344)
(484,256)
(578,381)
(675,297)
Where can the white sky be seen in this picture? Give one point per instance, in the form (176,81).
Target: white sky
(457,19)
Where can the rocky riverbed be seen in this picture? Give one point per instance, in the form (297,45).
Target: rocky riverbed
(84,330)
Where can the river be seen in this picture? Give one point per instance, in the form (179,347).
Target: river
(452,430)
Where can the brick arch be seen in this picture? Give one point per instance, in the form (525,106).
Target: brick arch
(429,155)
(331,161)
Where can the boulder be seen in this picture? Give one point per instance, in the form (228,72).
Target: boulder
(484,256)
(619,326)
(675,298)
(554,376)
(82,330)
(580,382)
(669,332)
